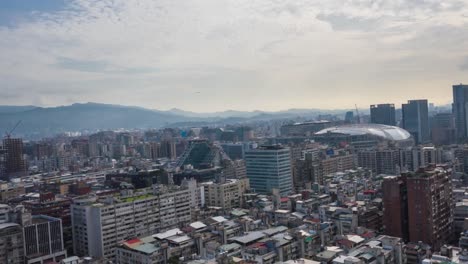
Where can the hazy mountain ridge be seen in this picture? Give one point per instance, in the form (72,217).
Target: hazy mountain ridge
(90,116)
(15,108)
(46,121)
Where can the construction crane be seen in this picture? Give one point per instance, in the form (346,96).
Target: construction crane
(8,134)
(358,116)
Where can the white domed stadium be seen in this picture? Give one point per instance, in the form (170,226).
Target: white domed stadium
(360,133)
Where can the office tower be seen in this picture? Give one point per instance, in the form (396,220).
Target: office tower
(15,164)
(11,243)
(430,206)
(443,131)
(383,114)
(101,223)
(349,117)
(269,167)
(416,120)
(395,203)
(43,240)
(460,110)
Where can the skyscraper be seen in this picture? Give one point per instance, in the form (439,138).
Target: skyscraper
(416,120)
(14,162)
(430,206)
(418,206)
(269,167)
(383,114)
(349,117)
(443,130)
(460,109)
(395,201)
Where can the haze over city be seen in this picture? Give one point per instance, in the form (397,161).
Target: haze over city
(215,55)
(233,132)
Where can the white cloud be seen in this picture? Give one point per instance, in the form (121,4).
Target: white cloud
(241,54)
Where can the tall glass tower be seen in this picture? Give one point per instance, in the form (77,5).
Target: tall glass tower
(383,114)
(416,120)
(269,167)
(460,110)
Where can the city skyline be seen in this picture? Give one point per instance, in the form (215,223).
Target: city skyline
(240,55)
(233,131)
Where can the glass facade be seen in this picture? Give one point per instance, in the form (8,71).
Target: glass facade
(269,167)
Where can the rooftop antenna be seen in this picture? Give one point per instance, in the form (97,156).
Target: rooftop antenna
(358,116)
(8,134)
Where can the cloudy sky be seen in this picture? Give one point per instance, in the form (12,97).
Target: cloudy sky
(210,55)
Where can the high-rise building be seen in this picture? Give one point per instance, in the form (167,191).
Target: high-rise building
(100,223)
(460,110)
(380,161)
(416,120)
(418,206)
(395,202)
(349,117)
(168,149)
(430,206)
(443,130)
(15,164)
(383,114)
(269,167)
(43,240)
(11,243)
(81,147)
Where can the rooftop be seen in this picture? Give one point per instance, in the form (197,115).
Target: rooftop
(147,248)
(135,198)
(249,238)
(197,225)
(169,233)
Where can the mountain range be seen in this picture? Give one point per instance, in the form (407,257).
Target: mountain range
(46,121)
(37,122)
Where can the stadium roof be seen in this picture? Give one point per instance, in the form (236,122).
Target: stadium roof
(383,131)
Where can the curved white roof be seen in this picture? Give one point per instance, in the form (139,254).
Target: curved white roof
(383,131)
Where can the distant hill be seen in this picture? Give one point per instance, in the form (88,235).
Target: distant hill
(15,109)
(37,122)
(257,114)
(78,117)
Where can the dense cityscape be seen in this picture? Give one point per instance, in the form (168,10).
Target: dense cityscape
(387,185)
